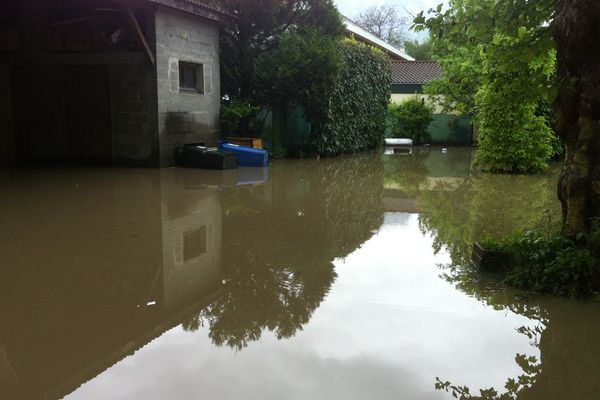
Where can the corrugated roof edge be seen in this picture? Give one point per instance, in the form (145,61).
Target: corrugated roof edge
(197,8)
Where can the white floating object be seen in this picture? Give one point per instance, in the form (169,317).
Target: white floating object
(398,142)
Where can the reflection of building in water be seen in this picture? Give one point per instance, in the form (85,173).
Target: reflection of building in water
(191,241)
(130,254)
(425,170)
(95,265)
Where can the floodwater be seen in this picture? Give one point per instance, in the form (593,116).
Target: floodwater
(333,279)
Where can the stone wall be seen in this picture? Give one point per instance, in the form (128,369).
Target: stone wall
(186,117)
(149,115)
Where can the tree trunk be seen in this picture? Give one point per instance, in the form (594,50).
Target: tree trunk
(577,111)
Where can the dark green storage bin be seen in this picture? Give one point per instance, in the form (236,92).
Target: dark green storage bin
(197,156)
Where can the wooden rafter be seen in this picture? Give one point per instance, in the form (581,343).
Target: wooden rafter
(138,31)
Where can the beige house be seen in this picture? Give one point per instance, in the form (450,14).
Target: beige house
(409,77)
(408,80)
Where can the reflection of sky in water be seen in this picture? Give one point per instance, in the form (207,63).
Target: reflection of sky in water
(393,219)
(389,326)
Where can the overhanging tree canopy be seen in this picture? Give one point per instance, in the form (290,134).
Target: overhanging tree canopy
(526,30)
(258,29)
(498,63)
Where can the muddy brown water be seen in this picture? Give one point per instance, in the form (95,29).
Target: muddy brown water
(331,279)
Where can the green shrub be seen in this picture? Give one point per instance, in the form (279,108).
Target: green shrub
(551,263)
(511,138)
(413,117)
(513,134)
(544,110)
(357,108)
(233,112)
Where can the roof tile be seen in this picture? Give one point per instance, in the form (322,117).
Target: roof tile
(415,72)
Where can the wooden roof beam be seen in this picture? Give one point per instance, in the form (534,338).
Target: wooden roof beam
(139,34)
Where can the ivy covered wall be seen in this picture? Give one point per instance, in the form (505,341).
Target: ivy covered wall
(358,106)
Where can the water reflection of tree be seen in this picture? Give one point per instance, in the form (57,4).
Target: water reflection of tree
(484,205)
(280,240)
(564,330)
(407,173)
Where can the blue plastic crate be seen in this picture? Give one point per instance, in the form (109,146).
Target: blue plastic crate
(246,156)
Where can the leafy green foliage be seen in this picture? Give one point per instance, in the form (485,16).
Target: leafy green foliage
(498,63)
(531,367)
(419,50)
(458,215)
(512,137)
(455,90)
(287,54)
(412,116)
(550,262)
(357,107)
(278,55)
(233,112)
(544,110)
(258,29)
(301,70)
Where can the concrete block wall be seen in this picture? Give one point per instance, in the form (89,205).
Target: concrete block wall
(186,117)
(192,264)
(134,114)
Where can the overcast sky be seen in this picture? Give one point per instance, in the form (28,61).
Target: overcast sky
(351,8)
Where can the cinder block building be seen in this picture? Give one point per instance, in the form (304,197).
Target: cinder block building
(107,81)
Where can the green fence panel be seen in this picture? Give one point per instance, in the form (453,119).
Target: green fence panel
(298,129)
(450,129)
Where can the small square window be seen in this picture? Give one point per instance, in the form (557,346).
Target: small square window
(191,77)
(194,244)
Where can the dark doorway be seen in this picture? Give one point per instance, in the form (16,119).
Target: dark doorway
(87,101)
(7,151)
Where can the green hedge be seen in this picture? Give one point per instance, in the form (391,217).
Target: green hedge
(358,107)
(412,118)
